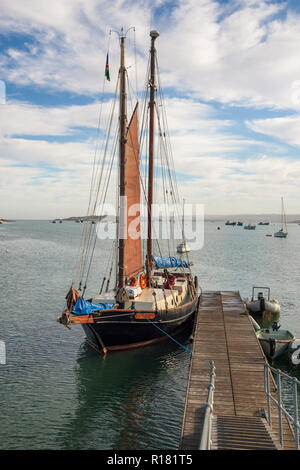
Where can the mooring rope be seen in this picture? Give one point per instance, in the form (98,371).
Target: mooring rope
(167,334)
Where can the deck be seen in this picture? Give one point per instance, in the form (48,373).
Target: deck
(224,334)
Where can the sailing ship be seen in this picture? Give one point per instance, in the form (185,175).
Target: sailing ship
(282,233)
(154,296)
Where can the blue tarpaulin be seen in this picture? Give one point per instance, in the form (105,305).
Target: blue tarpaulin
(169,262)
(84,307)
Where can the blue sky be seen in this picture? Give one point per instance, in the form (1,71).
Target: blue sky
(231,77)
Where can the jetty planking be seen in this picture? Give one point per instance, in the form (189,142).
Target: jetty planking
(224,334)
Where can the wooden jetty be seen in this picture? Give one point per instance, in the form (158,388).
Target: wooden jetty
(224,334)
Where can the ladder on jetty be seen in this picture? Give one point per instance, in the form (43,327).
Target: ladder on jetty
(224,334)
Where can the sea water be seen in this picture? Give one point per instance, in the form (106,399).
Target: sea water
(58,393)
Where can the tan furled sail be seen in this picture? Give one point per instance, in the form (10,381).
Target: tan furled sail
(133,250)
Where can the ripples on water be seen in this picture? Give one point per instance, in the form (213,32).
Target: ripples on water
(58,393)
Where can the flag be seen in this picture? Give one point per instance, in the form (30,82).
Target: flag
(107,69)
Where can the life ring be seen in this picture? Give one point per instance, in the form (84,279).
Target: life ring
(133,282)
(143,281)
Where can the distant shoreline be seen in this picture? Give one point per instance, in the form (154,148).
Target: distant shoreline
(245,218)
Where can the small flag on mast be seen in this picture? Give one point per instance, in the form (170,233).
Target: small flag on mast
(107,68)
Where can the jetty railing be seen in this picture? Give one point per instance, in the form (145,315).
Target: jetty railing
(205,442)
(294,419)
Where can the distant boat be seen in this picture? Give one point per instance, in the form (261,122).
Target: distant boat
(54,221)
(230,223)
(240,224)
(60,221)
(274,342)
(249,227)
(263,223)
(282,233)
(183,247)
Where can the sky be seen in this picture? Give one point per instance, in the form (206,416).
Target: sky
(230,71)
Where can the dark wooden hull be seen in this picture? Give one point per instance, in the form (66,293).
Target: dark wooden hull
(124,332)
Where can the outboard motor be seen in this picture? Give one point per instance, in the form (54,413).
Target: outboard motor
(260,297)
(272,344)
(275,326)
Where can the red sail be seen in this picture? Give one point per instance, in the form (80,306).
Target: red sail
(133,249)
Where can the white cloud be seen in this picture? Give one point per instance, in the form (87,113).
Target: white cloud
(240,53)
(285,129)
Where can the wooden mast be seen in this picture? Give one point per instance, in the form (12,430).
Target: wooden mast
(154,35)
(121,292)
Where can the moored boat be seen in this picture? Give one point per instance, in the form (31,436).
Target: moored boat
(230,223)
(249,227)
(274,341)
(154,298)
(294,350)
(262,304)
(183,248)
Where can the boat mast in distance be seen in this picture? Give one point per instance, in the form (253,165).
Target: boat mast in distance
(282,233)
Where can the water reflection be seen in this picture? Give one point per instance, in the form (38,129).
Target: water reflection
(117,399)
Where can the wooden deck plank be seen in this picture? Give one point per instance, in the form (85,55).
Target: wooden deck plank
(224,334)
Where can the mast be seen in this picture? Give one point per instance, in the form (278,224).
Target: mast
(154,35)
(283,215)
(122,142)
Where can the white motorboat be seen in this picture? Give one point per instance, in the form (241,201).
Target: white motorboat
(294,349)
(261,303)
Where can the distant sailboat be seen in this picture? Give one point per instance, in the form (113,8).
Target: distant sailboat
(282,233)
(183,247)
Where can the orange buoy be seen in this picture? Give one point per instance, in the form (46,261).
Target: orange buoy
(133,282)
(143,280)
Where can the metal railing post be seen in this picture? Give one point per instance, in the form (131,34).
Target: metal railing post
(295,403)
(294,420)
(205,442)
(267,391)
(278,383)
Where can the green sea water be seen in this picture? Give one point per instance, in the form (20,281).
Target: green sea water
(57,393)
